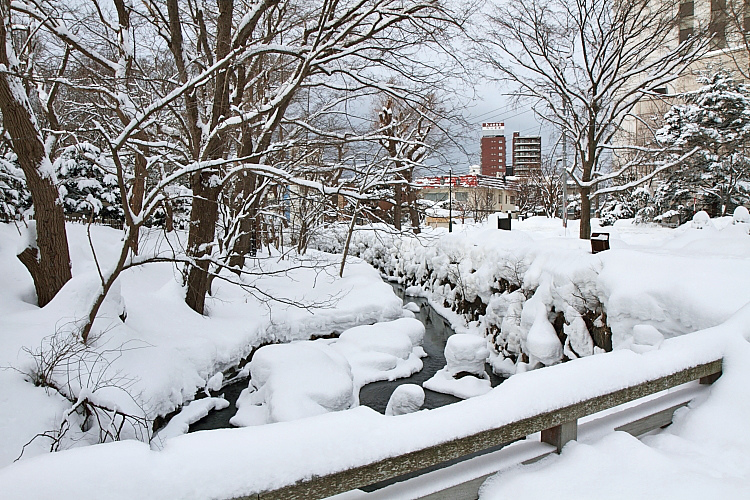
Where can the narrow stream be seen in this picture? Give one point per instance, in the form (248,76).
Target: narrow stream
(377,394)
(437,331)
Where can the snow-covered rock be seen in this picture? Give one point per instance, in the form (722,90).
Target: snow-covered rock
(646,338)
(411,306)
(407,398)
(215,382)
(190,413)
(293,381)
(383,351)
(466,353)
(465,387)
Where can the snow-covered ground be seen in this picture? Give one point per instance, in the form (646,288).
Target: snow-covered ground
(656,285)
(164,352)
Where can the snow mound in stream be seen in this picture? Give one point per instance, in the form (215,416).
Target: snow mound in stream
(303,379)
(406,398)
(464,375)
(293,381)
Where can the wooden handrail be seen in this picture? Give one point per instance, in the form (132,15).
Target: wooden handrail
(555,425)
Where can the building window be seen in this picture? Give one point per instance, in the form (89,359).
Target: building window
(686,18)
(718,23)
(462,196)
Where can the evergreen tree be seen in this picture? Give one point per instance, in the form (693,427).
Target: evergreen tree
(716,119)
(15,197)
(87,185)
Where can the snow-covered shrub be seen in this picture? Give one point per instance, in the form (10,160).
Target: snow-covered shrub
(631,206)
(701,220)
(15,197)
(494,279)
(103,407)
(177,205)
(329,238)
(88,184)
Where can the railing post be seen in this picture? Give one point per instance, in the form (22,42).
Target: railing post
(560,434)
(710,379)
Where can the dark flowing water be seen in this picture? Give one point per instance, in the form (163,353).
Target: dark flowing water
(437,331)
(377,394)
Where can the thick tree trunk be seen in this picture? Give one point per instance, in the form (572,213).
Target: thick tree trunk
(202,229)
(48,258)
(205,208)
(139,189)
(398,198)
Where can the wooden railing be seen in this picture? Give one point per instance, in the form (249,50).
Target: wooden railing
(557,427)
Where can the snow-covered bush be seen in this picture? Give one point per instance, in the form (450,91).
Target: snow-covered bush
(630,206)
(88,185)
(741,216)
(701,220)
(15,197)
(494,279)
(329,238)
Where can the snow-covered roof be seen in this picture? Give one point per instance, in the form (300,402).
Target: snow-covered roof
(470,180)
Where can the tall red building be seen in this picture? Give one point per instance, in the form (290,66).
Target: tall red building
(493,149)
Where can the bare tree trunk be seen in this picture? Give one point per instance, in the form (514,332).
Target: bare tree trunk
(348,239)
(585,230)
(411,202)
(168,217)
(139,189)
(246,242)
(205,209)
(48,258)
(398,198)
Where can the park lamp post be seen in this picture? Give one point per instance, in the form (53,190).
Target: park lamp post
(450,200)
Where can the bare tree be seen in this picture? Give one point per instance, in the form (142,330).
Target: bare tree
(543,187)
(480,203)
(405,130)
(46,255)
(735,16)
(584,65)
(211,93)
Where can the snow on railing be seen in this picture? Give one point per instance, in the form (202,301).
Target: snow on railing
(557,426)
(335,452)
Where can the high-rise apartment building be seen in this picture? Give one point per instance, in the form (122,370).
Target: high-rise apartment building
(493,149)
(527,154)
